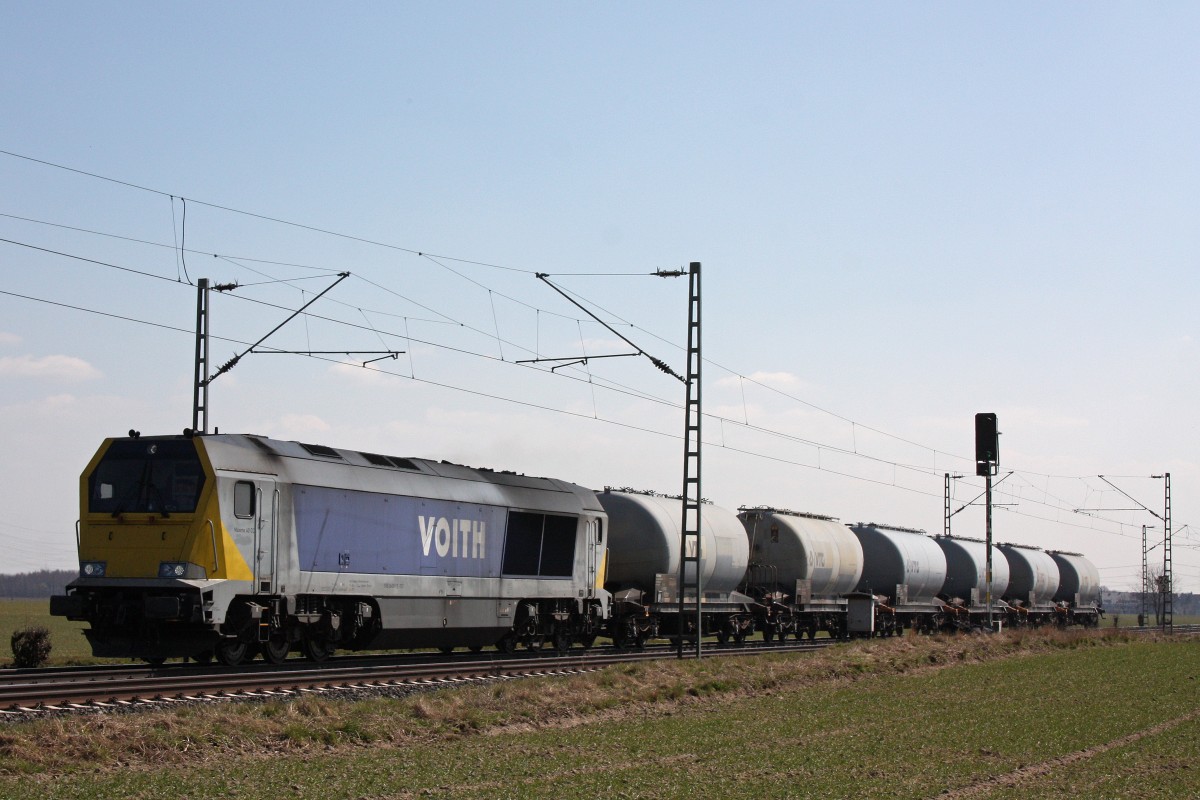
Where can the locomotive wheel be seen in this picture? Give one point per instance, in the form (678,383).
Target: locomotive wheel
(587,641)
(275,650)
(205,658)
(507,644)
(563,640)
(156,661)
(446,649)
(620,637)
(316,650)
(768,635)
(476,648)
(232,652)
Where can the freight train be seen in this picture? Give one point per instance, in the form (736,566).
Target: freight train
(232,545)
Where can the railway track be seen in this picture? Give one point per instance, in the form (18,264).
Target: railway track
(101,687)
(28,692)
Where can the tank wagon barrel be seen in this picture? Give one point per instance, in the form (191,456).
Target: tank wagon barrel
(965,590)
(906,569)
(1078,596)
(1033,582)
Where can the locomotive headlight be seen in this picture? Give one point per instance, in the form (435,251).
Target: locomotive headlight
(92,569)
(172,569)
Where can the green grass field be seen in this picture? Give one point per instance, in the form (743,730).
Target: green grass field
(1033,715)
(69,646)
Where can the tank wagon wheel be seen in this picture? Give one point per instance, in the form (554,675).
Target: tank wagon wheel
(204,659)
(315,649)
(446,649)
(507,643)
(768,635)
(156,661)
(476,648)
(723,636)
(587,641)
(563,640)
(275,650)
(232,652)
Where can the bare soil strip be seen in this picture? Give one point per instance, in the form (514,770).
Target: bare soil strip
(1031,771)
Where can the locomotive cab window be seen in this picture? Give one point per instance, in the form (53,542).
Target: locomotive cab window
(243,499)
(151,476)
(540,545)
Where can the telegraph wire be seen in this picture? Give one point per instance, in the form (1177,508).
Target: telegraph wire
(89,260)
(264,217)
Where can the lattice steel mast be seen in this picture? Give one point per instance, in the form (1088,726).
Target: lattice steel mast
(690,527)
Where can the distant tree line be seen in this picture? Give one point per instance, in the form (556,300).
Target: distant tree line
(1185,603)
(36,585)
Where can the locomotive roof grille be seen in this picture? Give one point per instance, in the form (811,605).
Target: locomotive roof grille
(389,461)
(321,450)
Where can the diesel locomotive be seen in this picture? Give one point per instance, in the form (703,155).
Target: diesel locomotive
(223,545)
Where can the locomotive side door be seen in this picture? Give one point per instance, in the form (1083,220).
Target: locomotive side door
(594,545)
(266,504)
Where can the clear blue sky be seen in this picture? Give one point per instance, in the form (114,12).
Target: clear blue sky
(906,214)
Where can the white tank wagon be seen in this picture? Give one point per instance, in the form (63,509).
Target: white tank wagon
(1078,598)
(1033,582)
(966,569)
(905,569)
(801,567)
(284,545)
(643,568)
